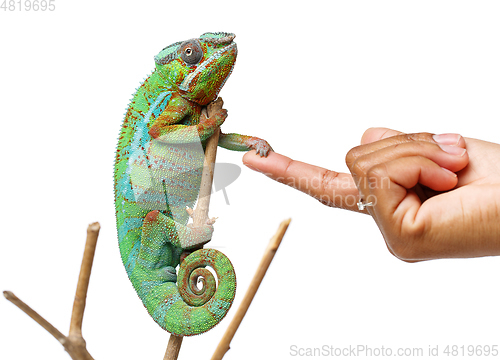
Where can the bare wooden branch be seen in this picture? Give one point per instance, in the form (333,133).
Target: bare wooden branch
(201,212)
(35,316)
(75,327)
(173,347)
(77,348)
(74,343)
(274,243)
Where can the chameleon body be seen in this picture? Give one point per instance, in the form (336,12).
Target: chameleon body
(157,175)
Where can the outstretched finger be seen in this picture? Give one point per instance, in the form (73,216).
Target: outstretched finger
(329,187)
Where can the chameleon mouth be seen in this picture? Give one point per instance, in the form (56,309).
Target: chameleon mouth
(212,59)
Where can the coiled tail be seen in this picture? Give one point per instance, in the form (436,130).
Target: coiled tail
(184,309)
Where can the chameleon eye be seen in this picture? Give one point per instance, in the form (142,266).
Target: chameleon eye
(191,52)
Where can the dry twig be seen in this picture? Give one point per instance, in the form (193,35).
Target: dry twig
(74,343)
(274,243)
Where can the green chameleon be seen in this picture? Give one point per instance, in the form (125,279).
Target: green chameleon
(157,175)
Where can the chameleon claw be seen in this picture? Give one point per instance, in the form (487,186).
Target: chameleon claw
(211,221)
(217,103)
(261,147)
(191,215)
(190,212)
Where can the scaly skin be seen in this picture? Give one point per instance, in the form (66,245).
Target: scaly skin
(157,175)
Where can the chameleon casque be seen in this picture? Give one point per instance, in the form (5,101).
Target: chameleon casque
(157,175)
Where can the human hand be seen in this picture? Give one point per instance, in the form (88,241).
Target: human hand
(431,197)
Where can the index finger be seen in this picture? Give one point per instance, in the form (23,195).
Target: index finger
(329,187)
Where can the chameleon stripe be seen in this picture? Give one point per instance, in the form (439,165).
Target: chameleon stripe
(202,67)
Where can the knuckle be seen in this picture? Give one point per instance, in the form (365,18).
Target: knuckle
(410,245)
(404,251)
(362,166)
(327,180)
(377,171)
(357,167)
(352,155)
(286,175)
(377,177)
(416,137)
(410,137)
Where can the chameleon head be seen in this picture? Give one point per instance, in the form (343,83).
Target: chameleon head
(198,68)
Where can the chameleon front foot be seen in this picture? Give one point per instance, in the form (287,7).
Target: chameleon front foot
(210,221)
(260,146)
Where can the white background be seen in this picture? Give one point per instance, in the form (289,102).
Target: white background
(311,76)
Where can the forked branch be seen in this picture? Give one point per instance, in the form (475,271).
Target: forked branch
(74,343)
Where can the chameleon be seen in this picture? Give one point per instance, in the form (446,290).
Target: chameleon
(157,175)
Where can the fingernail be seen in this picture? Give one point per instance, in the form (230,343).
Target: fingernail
(453,150)
(449,171)
(447,139)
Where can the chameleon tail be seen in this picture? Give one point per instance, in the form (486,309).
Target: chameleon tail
(186,310)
